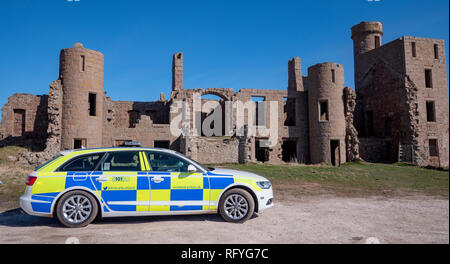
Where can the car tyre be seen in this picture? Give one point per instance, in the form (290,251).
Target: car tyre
(236,205)
(76,209)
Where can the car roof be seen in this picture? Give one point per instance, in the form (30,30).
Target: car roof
(96,150)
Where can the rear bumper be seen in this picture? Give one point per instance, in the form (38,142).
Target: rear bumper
(26,204)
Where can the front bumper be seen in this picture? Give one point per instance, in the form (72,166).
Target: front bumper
(265,199)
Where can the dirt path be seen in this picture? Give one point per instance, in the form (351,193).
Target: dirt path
(311,219)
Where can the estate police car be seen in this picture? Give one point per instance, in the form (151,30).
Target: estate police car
(79,185)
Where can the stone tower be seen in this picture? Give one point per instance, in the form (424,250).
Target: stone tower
(177,71)
(81,74)
(326,113)
(401,108)
(295,80)
(366,36)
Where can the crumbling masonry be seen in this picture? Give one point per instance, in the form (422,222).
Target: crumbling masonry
(398,111)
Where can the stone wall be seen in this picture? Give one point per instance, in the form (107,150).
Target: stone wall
(55,104)
(53,141)
(327,127)
(372,149)
(390,86)
(145,122)
(24,121)
(351,138)
(211,150)
(81,74)
(438,129)
(295,131)
(385,107)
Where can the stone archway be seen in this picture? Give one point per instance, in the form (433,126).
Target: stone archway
(221,95)
(225,94)
(215,115)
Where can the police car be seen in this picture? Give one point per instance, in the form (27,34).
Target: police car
(79,185)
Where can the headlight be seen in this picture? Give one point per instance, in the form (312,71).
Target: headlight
(264,184)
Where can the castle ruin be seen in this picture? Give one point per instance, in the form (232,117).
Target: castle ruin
(399,111)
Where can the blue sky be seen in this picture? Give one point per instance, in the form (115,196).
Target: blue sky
(232,44)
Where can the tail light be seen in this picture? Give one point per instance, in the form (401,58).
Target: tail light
(30,180)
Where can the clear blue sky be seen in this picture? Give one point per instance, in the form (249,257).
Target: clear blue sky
(232,44)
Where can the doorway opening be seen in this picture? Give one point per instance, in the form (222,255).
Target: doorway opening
(19,122)
(335,152)
(369,124)
(261,152)
(289,150)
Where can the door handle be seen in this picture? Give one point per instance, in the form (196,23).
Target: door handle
(102,179)
(157,179)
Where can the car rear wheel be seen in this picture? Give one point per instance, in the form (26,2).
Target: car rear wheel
(236,206)
(76,209)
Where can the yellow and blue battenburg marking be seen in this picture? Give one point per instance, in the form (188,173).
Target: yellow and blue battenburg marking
(136,191)
(144,190)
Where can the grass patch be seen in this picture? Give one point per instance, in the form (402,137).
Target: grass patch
(5,152)
(352,178)
(356,177)
(12,176)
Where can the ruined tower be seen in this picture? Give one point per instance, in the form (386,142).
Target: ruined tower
(366,36)
(326,113)
(295,80)
(81,74)
(177,71)
(402,97)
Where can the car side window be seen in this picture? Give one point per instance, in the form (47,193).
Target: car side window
(121,161)
(160,161)
(83,163)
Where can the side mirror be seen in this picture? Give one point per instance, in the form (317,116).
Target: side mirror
(191,168)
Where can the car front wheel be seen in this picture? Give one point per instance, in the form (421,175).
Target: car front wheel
(76,209)
(236,206)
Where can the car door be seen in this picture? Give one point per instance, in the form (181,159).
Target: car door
(124,182)
(73,174)
(172,187)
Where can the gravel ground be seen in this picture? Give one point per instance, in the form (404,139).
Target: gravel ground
(310,219)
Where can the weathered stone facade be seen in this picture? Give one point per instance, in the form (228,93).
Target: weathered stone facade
(313,118)
(351,138)
(402,98)
(208,149)
(24,120)
(326,113)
